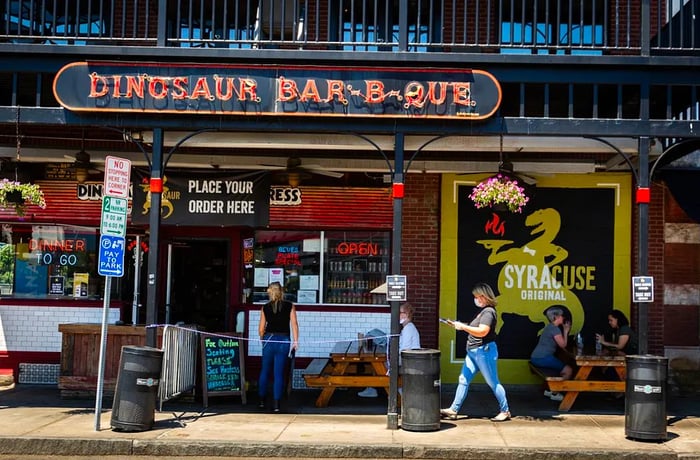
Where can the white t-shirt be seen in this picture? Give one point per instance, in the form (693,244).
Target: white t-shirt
(409,338)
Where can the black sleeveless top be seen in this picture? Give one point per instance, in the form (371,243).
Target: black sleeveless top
(278,323)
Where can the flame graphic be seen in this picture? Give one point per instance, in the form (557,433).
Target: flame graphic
(495,225)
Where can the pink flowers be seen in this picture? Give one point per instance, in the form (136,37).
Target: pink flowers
(499,190)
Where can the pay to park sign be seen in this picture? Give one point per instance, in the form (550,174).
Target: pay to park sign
(110,259)
(113,222)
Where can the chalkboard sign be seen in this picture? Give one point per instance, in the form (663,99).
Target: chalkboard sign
(222,366)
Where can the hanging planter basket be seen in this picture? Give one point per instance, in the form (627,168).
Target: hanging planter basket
(14,197)
(18,195)
(499,192)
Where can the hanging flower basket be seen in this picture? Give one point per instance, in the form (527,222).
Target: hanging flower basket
(17,195)
(498,191)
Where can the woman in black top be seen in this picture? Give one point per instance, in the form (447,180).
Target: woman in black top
(624,340)
(278,318)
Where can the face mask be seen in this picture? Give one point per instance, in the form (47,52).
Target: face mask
(476,302)
(403,320)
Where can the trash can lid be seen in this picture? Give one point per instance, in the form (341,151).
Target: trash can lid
(647,357)
(421,351)
(141,350)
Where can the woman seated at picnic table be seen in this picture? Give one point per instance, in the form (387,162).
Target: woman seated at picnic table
(554,336)
(624,340)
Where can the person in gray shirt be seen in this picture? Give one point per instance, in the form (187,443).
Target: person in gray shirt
(553,336)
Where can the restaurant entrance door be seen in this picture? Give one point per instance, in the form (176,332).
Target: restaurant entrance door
(198,283)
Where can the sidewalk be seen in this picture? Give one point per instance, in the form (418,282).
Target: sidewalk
(36,421)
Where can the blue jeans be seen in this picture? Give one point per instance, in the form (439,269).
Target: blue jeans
(548,362)
(274,360)
(483,359)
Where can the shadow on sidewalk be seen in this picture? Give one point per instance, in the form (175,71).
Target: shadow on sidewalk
(480,403)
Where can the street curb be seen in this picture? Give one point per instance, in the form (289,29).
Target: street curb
(170,448)
(61,446)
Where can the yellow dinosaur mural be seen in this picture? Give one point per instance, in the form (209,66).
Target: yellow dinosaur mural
(528,283)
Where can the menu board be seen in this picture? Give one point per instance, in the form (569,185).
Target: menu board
(222,366)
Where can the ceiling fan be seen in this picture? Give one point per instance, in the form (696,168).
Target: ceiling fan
(82,165)
(505,167)
(295,172)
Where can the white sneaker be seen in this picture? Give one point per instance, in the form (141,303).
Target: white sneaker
(368,392)
(501,417)
(554,396)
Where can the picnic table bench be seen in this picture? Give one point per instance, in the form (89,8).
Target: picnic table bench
(351,364)
(580,382)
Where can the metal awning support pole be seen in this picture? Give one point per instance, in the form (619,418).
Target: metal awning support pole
(156,190)
(397,194)
(138,255)
(642,198)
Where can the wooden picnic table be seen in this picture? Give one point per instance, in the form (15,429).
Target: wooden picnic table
(581,382)
(351,364)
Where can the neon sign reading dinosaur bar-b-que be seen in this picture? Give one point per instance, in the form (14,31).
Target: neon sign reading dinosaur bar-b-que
(272,90)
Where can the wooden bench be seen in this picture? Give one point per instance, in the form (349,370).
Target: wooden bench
(571,388)
(349,365)
(315,367)
(548,375)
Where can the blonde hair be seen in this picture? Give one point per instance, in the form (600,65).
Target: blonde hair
(485,290)
(276,294)
(410,310)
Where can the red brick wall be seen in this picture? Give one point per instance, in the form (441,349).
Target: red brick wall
(420,250)
(656,269)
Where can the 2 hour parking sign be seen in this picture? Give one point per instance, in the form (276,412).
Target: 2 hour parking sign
(111,256)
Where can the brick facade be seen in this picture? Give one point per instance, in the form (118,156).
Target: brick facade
(420,251)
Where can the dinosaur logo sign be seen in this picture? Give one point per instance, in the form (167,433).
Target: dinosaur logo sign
(551,254)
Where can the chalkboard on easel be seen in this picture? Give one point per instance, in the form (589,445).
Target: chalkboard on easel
(222,366)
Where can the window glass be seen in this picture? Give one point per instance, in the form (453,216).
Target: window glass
(49,261)
(356,264)
(566,25)
(319,267)
(291,258)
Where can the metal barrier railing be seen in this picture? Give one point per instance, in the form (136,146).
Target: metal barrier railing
(466,26)
(179,372)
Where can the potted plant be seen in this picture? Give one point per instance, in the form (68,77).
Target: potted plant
(17,195)
(499,190)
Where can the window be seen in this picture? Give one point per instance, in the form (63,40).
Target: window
(61,23)
(373,25)
(320,267)
(49,261)
(545,24)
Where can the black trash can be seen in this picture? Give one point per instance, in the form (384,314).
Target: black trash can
(136,392)
(645,397)
(420,394)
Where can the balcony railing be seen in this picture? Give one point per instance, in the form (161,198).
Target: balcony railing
(469,26)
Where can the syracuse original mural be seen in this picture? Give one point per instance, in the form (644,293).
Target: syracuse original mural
(569,247)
